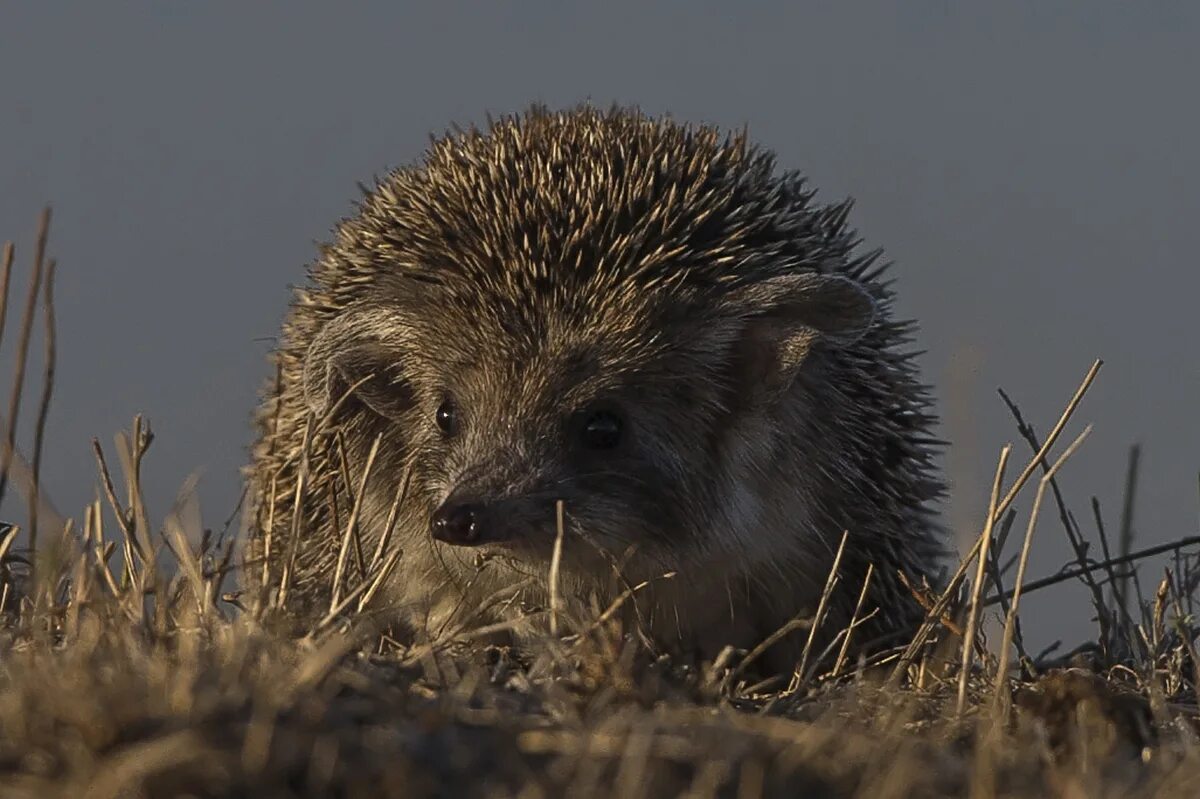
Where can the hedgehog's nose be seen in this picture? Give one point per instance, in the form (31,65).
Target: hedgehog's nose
(459,523)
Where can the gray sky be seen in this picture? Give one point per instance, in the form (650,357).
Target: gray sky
(1034,172)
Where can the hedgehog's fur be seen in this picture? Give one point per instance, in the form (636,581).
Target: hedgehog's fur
(556,258)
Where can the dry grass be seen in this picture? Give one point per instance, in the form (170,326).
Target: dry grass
(126,669)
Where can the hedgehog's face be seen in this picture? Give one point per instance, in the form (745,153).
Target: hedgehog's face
(499,426)
(502,412)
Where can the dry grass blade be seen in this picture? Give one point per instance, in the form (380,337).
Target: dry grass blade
(1073,572)
(337,610)
(352,523)
(381,577)
(23,338)
(854,621)
(339,440)
(6,263)
(7,536)
(800,675)
(792,625)
(138,764)
(555,564)
(1126,531)
(1052,438)
(934,615)
(1186,635)
(389,526)
(20,472)
(269,531)
(132,451)
(1070,528)
(101,550)
(131,544)
(39,435)
(1010,622)
(289,563)
(623,597)
(186,560)
(968,645)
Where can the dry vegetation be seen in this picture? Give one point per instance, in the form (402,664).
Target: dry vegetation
(131,666)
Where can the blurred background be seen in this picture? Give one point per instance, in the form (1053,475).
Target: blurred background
(1033,169)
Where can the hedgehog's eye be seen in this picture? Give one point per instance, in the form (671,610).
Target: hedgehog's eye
(446,417)
(601,430)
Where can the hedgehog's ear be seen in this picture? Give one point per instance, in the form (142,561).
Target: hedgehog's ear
(353,355)
(787,315)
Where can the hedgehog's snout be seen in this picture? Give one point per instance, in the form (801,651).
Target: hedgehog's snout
(462,524)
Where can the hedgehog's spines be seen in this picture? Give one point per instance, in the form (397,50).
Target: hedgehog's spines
(595,211)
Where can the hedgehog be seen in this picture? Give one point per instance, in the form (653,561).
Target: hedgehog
(580,359)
